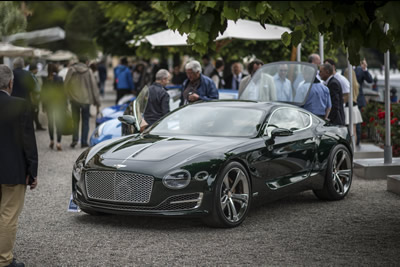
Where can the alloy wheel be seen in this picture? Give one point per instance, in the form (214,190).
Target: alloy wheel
(341,171)
(234,195)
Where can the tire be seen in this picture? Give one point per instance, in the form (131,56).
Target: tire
(232,197)
(339,175)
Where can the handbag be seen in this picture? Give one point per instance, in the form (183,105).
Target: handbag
(67,123)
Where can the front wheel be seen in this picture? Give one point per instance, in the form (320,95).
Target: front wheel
(339,175)
(232,197)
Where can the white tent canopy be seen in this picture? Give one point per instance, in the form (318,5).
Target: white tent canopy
(61,55)
(9,50)
(241,29)
(38,37)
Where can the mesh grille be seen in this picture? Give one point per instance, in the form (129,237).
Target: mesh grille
(166,205)
(119,186)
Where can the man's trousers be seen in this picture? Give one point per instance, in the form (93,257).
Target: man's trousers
(11,203)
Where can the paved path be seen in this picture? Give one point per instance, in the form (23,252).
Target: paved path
(362,230)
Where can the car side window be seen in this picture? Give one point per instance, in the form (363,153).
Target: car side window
(287,118)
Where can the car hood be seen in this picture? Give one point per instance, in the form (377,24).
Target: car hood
(157,148)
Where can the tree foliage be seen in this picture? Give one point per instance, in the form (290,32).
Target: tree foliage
(135,20)
(111,24)
(353,24)
(80,26)
(79,19)
(112,36)
(143,18)
(11,19)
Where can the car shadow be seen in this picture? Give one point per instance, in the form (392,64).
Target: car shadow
(263,212)
(136,221)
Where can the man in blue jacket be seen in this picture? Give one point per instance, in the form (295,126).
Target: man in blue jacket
(123,80)
(197,86)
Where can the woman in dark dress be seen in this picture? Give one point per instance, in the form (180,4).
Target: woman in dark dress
(54,103)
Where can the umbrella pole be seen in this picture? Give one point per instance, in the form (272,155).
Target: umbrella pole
(321,47)
(388,147)
(299,52)
(293,56)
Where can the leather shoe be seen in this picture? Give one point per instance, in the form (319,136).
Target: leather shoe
(73,144)
(14,263)
(84,145)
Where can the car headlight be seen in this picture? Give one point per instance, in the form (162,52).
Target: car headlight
(77,170)
(177,179)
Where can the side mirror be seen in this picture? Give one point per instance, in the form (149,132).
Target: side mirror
(281,132)
(129,121)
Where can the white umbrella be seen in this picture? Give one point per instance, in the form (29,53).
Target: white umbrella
(9,50)
(167,38)
(61,55)
(38,37)
(252,30)
(38,52)
(242,29)
(136,43)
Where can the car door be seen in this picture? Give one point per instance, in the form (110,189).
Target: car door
(289,159)
(136,108)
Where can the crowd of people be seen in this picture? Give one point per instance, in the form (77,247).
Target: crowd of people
(73,88)
(62,92)
(328,96)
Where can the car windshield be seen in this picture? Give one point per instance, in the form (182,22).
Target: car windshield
(211,121)
(281,81)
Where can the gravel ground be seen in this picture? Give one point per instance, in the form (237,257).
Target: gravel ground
(362,230)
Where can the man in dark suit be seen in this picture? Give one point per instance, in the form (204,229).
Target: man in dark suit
(24,86)
(158,103)
(336,115)
(362,75)
(234,79)
(18,162)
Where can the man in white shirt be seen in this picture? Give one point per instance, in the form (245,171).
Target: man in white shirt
(282,84)
(316,60)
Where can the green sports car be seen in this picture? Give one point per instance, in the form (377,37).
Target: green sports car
(213,160)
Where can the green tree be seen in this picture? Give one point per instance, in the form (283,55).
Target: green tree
(132,21)
(80,19)
(112,37)
(11,19)
(345,24)
(82,22)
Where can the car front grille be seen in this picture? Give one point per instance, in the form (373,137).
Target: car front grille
(173,203)
(119,186)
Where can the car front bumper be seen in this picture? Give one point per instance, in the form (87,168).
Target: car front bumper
(175,203)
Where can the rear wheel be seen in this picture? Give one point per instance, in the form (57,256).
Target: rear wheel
(232,197)
(339,175)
